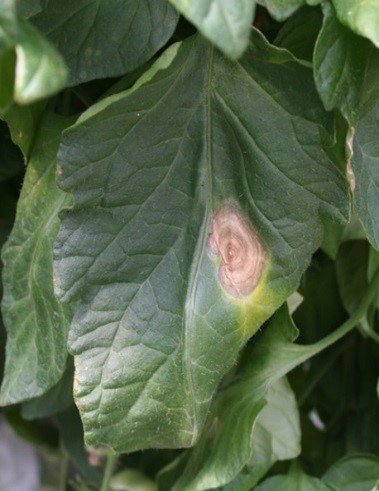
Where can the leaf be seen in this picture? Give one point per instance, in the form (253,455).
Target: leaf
(100,39)
(281,9)
(365,164)
(270,357)
(353,473)
(56,400)
(71,435)
(137,246)
(226,23)
(39,70)
(344,65)
(299,33)
(296,480)
(275,436)
(362,16)
(347,77)
(36,323)
(131,480)
(23,122)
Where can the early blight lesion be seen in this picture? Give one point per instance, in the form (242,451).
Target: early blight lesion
(243,256)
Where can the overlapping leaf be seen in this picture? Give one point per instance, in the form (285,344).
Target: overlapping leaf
(98,38)
(347,77)
(36,71)
(156,331)
(36,323)
(362,16)
(226,23)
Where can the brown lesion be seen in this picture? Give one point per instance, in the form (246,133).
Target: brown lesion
(240,248)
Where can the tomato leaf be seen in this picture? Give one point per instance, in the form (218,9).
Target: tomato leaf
(162,318)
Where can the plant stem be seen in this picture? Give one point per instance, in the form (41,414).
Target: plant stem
(109,468)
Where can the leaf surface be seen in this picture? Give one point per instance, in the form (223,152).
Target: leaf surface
(353,473)
(36,323)
(295,480)
(80,30)
(226,23)
(275,436)
(39,70)
(154,172)
(362,16)
(347,77)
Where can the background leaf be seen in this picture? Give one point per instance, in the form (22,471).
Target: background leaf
(362,16)
(353,473)
(135,246)
(80,30)
(347,77)
(227,24)
(300,32)
(32,315)
(39,70)
(296,480)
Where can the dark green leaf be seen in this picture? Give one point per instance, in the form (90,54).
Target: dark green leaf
(299,33)
(347,77)
(226,24)
(343,67)
(23,122)
(137,247)
(36,323)
(281,9)
(71,433)
(39,70)
(56,400)
(98,38)
(362,16)
(365,164)
(354,473)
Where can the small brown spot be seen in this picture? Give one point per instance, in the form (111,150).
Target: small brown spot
(242,253)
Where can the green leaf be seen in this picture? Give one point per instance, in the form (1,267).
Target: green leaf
(344,65)
(98,38)
(138,246)
(295,480)
(353,473)
(270,357)
(39,70)
(299,33)
(71,435)
(227,24)
(36,323)
(365,164)
(281,9)
(23,122)
(347,77)
(275,436)
(362,16)
(56,400)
